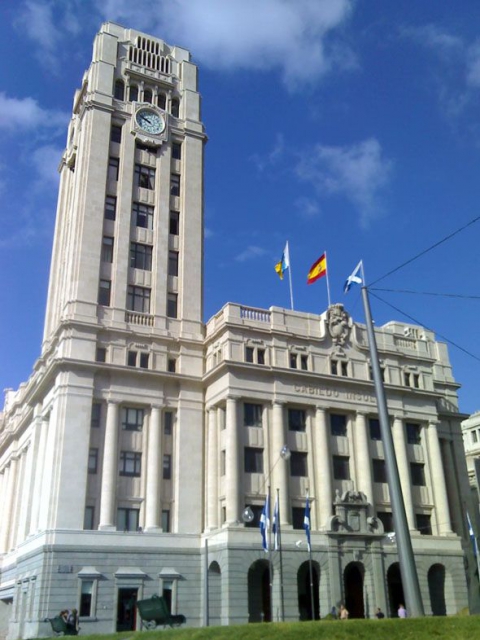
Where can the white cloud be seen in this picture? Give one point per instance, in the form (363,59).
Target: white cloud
(250,253)
(26,113)
(473,65)
(307,207)
(359,172)
(46,160)
(435,38)
(271,158)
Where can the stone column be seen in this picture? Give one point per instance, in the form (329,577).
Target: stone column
(278,466)
(323,466)
(39,464)
(110,469)
(212,469)
(439,486)
(7,510)
(453,489)
(232,463)
(362,458)
(153,493)
(400,445)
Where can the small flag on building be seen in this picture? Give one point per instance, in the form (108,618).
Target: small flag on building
(265,523)
(276,526)
(318,269)
(471,533)
(306,523)
(354,278)
(284,262)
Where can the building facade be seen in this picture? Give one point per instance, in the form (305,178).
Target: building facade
(138,456)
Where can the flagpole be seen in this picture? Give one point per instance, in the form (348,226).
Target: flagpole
(270,565)
(290,276)
(328,281)
(279,538)
(406,558)
(310,568)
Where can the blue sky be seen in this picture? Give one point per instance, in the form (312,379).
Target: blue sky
(338,125)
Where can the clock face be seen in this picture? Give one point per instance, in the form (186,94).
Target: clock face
(150,121)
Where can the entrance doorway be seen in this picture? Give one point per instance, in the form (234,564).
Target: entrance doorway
(395,588)
(436,587)
(126,609)
(305,592)
(259,603)
(353,582)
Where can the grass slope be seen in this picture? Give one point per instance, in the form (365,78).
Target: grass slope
(451,628)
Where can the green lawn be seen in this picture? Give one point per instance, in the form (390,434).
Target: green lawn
(451,628)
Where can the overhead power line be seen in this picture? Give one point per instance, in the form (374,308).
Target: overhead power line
(422,253)
(427,293)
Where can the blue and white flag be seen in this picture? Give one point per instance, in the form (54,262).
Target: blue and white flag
(265,523)
(306,523)
(276,526)
(353,279)
(473,538)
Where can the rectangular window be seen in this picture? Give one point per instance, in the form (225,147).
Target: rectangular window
(333,367)
(128,519)
(174,184)
(101,354)
(138,299)
(374,427)
(172,305)
(130,464)
(253,460)
(293,361)
(115,133)
(96,415)
(142,215)
(174,227)
(168,423)
(339,368)
(132,419)
(173,263)
(113,166)
(297,420)
(304,362)
(338,425)
(223,462)
(86,599)
(171,365)
(379,471)
(413,433)
(417,470)
(110,208)
(88,518)
(167,467)
(144,360)
(166,520)
(382,373)
(344,368)
(176,151)
(141,256)
(249,353)
(131,358)
(386,518)
(260,356)
(144,177)
(104,291)
(92,460)
(474,437)
(411,380)
(257,510)
(341,467)
(298,517)
(107,249)
(298,464)
(424,524)
(252,415)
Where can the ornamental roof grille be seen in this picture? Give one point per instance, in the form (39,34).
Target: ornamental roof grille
(147,53)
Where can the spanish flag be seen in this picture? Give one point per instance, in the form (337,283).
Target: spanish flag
(318,269)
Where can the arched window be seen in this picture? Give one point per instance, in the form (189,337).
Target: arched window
(119,91)
(148,96)
(161,100)
(133,93)
(175,107)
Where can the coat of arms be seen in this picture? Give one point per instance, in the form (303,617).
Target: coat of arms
(338,323)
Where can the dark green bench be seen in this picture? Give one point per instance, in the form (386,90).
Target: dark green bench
(154,611)
(59,626)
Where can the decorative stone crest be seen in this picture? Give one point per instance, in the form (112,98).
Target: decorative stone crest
(338,322)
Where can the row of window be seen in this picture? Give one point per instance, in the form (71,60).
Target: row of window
(138,298)
(140,256)
(130,464)
(139,359)
(128,519)
(144,176)
(135,93)
(253,463)
(132,418)
(297,421)
(142,215)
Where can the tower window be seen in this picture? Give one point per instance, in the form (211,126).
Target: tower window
(338,425)
(176,151)
(161,100)
(104,290)
(144,176)
(148,96)
(341,468)
(110,208)
(107,249)
(113,166)
(252,415)
(175,109)
(174,227)
(143,215)
(138,299)
(132,419)
(172,305)
(133,93)
(173,263)
(174,184)
(253,460)
(298,464)
(140,256)
(130,464)
(115,133)
(119,91)
(172,365)
(297,420)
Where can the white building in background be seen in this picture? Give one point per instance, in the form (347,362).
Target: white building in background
(130,455)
